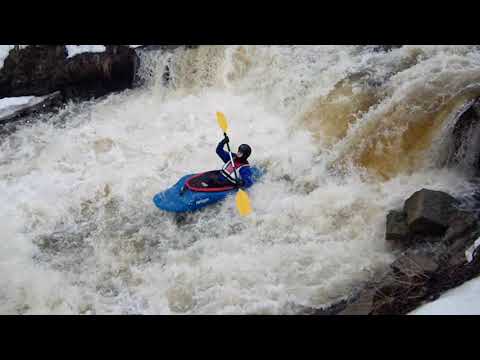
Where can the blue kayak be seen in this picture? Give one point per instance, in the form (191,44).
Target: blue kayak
(186,195)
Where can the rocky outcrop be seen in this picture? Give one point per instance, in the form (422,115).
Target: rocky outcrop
(163,47)
(421,276)
(428,212)
(397,228)
(465,143)
(386,48)
(31,71)
(43,69)
(440,254)
(425,217)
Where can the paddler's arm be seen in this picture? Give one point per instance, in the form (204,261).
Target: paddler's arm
(245,180)
(222,153)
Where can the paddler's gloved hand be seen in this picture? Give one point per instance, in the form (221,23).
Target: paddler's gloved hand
(225,140)
(240,183)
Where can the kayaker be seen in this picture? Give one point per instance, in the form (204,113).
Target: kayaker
(225,178)
(242,166)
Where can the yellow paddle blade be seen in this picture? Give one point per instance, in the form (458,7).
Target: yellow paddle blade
(222,121)
(243,203)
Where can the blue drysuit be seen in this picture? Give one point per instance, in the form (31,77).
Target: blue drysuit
(245,171)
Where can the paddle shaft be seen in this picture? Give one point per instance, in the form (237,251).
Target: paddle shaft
(231,158)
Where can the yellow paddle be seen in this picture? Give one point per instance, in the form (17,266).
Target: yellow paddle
(242,200)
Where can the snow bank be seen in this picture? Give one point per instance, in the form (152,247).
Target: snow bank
(78,49)
(463,300)
(14,101)
(10,105)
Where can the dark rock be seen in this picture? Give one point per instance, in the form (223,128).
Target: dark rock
(42,69)
(465,150)
(461,223)
(362,304)
(399,295)
(412,264)
(90,75)
(439,235)
(428,212)
(426,270)
(420,274)
(408,282)
(461,235)
(163,47)
(30,71)
(397,229)
(386,48)
(42,104)
(333,309)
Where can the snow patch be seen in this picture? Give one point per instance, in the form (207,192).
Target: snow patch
(10,105)
(14,101)
(471,250)
(79,49)
(462,300)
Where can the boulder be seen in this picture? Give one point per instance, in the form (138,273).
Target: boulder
(43,69)
(91,75)
(465,150)
(428,212)
(440,255)
(461,235)
(397,228)
(31,70)
(461,224)
(386,48)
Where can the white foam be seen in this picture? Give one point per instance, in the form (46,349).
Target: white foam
(86,188)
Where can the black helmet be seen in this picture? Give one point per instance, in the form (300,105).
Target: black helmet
(246,150)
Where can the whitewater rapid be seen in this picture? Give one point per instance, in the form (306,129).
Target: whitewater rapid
(80,234)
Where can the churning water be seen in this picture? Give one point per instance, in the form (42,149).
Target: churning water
(344,133)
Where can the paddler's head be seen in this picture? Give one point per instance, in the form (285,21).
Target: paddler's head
(244,151)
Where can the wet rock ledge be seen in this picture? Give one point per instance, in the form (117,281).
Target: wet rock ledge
(438,252)
(40,70)
(46,71)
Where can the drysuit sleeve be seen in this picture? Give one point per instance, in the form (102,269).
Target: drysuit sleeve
(246,177)
(222,153)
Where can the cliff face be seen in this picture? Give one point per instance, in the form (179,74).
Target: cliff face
(43,69)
